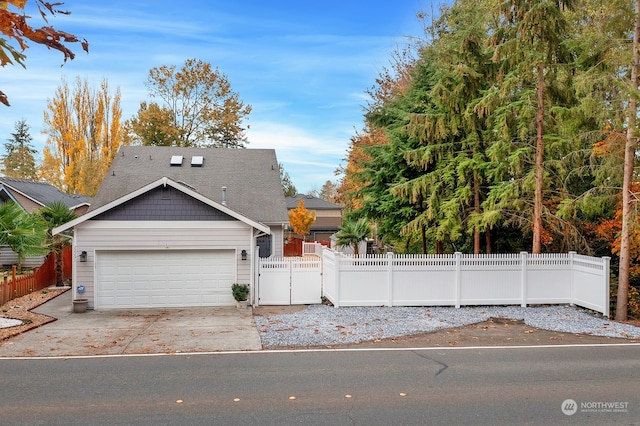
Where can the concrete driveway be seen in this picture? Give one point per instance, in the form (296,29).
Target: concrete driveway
(139,331)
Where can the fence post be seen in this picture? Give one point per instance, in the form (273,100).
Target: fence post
(14,284)
(607,284)
(523,280)
(572,280)
(337,254)
(390,277)
(5,286)
(255,291)
(458,278)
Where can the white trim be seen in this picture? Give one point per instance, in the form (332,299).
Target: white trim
(167,247)
(164,181)
(79,205)
(155,224)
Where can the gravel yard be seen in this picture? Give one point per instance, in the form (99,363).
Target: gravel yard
(321,325)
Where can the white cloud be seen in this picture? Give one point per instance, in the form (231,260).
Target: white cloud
(310,159)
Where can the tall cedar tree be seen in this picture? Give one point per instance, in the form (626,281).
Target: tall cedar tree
(19,161)
(451,154)
(607,88)
(630,149)
(15,25)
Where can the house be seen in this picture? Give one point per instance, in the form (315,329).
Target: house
(175,227)
(328,222)
(32,196)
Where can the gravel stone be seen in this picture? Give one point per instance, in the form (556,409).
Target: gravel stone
(322,325)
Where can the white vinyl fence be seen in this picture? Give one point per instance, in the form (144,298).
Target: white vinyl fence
(290,281)
(435,280)
(461,279)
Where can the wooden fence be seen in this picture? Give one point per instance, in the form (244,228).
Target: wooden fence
(12,287)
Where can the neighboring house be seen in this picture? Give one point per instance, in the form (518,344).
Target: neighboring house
(32,196)
(328,216)
(175,227)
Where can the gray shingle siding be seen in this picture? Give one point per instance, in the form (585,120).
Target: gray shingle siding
(164,204)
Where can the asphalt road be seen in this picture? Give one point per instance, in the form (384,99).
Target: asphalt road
(364,387)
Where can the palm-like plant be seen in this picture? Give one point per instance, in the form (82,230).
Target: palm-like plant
(352,233)
(23,232)
(56,214)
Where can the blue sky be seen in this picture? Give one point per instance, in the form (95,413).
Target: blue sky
(303,66)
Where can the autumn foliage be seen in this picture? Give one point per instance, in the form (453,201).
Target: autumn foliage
(301,219)
(84,132)
(15,26)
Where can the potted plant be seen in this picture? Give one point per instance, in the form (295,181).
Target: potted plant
(240,294)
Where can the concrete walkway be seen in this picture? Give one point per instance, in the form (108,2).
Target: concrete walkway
(136,331)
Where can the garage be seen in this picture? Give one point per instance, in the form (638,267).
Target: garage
(164,278)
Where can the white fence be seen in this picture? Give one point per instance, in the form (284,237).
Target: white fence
(435,280)
(312,248)
(460,279)
(289,281)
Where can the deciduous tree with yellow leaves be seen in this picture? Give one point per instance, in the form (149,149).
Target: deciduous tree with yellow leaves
(84,131)
(301,219)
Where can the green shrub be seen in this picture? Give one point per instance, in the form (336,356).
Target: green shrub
(240,291)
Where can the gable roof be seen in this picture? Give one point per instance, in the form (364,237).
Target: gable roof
(41,193)
(311,202)
(251,178)
(160,182)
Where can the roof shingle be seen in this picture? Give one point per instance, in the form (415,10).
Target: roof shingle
(43,193)
(251,177)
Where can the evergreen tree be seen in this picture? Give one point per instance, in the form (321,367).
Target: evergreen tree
(288,187)
(19,161)
(452,137)
(534,76)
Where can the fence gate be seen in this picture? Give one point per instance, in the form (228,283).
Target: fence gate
(290,281)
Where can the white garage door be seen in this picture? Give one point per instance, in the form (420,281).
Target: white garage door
(178,278)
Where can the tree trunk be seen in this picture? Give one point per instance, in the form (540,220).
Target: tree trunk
(439,247)
(537,206)
(629,158)
(487,236)
(59,277)
(476,207)
(423,232)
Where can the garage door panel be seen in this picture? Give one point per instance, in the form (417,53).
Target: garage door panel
(164,278)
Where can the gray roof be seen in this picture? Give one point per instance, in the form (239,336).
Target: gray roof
(251,176)
(311,202)
(42,192)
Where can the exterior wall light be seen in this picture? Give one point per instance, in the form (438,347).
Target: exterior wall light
(243,255)
(83,256)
